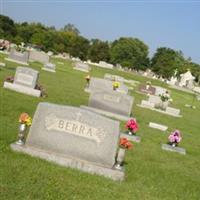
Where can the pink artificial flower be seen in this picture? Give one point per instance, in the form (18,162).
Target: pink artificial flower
(175,137)
(132,125)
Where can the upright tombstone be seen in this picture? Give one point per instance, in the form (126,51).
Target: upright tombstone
(18,57)
(50,67)
(112,77)
(111,103)
(97,84)
(25,81)
(74,137)
(105,65)
(147,89)
(159,90)
(155,100)
(187,80)
(38,56)
(82,66)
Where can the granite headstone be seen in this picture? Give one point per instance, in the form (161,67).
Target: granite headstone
(25,81)
(18,57)
(74,137)
(39,56)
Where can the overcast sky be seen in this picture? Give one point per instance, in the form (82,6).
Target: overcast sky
(174,24)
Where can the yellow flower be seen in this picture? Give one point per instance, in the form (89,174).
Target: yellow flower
(25,119)
(28,121)
(116,84)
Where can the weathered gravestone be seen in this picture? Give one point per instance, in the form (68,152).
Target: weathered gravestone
(168,147)
(50,67)
(112,77)
(82,67)
(105,65)
(74,137)
(38,56)
(155,100)
(97,84)
(18,57)
(159,90)
(25,81)
(158,126)
(111,103)
(147,89)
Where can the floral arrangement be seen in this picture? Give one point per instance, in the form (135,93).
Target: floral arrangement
(132,126)
(165,97)
(175,137)
(10,79)
(24,118)
(87,77)
(116,85)
(125,144)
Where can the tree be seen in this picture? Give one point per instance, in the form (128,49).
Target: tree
(130,52)
(98,51)
(7,28)
(71,28)
(166,60)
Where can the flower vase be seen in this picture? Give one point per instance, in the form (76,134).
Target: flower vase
(21,134)
(174,144)
(120,158)
(130,133)
(164,105)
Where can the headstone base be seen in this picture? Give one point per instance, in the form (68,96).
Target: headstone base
(168,147)
(158,126)
(80,69)
(159,110)
(114,174)
(133,138)
(2,64)
(49,70)
(16,61)
(22,89)
(106,113)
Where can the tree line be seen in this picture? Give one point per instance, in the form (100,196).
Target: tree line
(127,51)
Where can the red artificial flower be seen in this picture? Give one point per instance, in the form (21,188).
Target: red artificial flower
(132,125)
(125,143)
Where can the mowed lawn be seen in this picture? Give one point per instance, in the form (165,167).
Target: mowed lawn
(151,173)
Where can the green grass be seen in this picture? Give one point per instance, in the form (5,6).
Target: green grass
(151,173)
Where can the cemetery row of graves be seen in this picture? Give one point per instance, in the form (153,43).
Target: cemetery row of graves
(90,120)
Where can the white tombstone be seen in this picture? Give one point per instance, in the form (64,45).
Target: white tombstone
(173,81)
(50,67)
(187,80)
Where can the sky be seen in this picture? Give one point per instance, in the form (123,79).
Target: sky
(174,24)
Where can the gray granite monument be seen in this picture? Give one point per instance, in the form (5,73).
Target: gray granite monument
(74,137)
(97,84)
(111,103)
(50,67)
(38,56)
(112,77)
(81,66)
(25,81)
(18,57)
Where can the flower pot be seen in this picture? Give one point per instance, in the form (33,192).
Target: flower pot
(21,134)
(174,144)
(164,105)
(130,133)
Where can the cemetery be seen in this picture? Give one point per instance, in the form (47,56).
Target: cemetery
(86,118)
(95,123)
